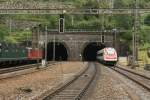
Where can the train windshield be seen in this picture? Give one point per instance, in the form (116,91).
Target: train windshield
(110,51)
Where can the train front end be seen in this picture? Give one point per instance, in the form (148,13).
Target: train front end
(110,56)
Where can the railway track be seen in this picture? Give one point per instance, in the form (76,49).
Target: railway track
(142,80)
(18,68)
(75,89)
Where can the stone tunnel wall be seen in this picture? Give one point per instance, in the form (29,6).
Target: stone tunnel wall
(75,44)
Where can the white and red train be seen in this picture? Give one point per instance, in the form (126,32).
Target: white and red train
(107,56)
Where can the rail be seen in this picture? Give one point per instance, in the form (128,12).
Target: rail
(75,88)
(18,68)
(140,79)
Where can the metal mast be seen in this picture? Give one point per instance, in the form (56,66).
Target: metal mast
(136,29)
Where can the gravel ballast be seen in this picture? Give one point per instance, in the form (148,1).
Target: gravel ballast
(29,86)
(110,85)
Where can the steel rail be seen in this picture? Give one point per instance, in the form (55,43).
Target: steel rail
(142,80)
(75,89)
(19,68)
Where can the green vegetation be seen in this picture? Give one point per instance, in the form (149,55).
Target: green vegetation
(143,57)
(103,22)
(18,36)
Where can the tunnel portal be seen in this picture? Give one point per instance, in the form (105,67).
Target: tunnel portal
(56,51)
(90,51)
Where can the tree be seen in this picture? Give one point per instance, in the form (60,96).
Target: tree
(147,20)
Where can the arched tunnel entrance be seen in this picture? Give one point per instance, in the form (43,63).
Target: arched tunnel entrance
(56,51)
(90,51)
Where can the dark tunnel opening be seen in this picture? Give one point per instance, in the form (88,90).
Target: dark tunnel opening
(58,54)
(90,51)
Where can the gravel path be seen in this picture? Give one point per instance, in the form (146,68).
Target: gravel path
(26,87)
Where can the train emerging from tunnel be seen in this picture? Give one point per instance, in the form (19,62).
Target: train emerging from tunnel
(107,56)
